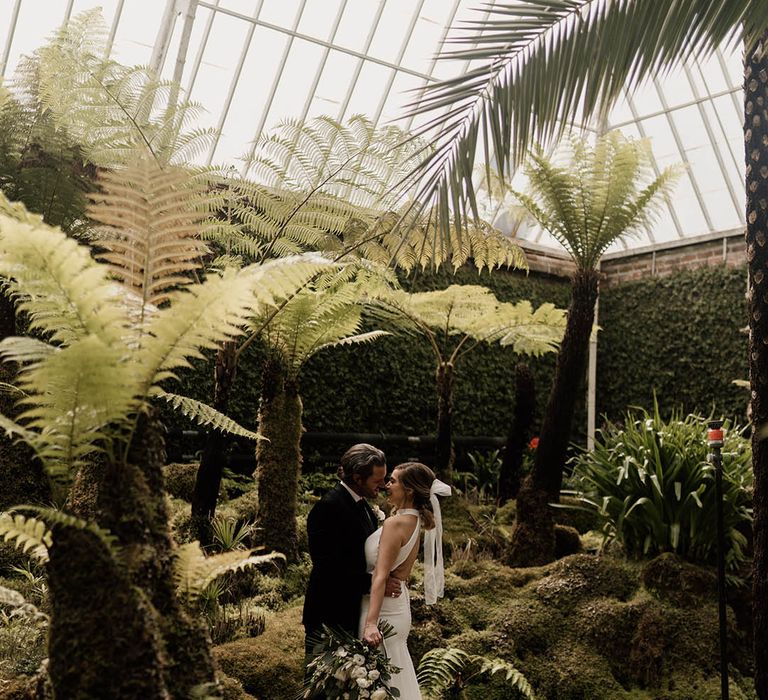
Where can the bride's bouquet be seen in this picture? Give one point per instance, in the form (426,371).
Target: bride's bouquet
(346,668)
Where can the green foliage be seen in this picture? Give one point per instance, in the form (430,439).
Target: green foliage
(229,534)
(647,344)
(444,670)
(206,415)
(194,571)
(31,535)
(588,196)
(23,634)
(653,490)
(486,467)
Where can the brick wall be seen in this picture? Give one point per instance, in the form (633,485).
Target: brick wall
(705,251)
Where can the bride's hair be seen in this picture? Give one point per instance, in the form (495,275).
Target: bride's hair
(417,478)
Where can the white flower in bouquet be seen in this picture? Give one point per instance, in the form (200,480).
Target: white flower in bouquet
(379,513)
(344,667)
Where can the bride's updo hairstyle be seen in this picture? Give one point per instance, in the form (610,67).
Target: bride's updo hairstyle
(416,478)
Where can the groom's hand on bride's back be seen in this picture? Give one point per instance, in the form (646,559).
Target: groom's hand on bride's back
(393,588)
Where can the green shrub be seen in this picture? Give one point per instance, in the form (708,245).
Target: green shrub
(180,480)
(651,487)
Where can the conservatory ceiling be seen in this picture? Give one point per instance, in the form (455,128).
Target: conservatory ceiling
(253,63)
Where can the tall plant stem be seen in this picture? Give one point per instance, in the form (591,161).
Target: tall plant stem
(444,453)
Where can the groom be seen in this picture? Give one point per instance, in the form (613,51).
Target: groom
(337,527)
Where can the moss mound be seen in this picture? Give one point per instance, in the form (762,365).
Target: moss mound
(673,579)
(271,666)
(180,480)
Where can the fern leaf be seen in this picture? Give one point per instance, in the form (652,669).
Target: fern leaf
(53,517)
(205,415)
(439,669)
(31,535)
(516,679)
(25,350)
(194,571)
(150,216)
(66,294)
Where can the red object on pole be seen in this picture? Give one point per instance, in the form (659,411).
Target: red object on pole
(715,435)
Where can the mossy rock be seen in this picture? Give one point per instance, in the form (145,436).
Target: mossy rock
(425,635)
(271,666)
(232,689)
(486,578)
(572,671)
(673,579)
(527,627)
(180,480)
(567,541)
(584,576)
(244,507)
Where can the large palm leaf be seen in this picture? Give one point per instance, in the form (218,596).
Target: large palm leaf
(548,64)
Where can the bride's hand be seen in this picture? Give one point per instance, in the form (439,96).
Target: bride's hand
(371,635)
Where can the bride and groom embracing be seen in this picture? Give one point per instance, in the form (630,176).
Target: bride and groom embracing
(359,570)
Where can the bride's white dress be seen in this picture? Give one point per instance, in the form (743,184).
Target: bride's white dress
(396,611)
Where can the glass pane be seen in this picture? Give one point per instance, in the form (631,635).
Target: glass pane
(367,90)
(356,24)
(318,18)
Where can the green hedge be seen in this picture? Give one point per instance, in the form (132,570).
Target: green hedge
(680,336)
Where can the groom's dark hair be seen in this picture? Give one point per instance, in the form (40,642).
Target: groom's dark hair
(360,459)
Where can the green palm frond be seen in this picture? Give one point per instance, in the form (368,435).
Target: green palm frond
(65,293)
(30,534)
(194,571)
(109,108)
(547,64)
(150,217)
(206,415)
(588,196)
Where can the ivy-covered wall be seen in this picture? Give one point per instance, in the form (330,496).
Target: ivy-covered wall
(680,336)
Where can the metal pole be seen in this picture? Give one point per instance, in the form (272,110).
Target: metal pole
(715,440)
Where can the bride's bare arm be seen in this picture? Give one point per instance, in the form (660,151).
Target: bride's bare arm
(389,547)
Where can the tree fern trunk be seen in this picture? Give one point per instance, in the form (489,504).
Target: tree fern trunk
(444,453)
(147,622)
(756,138)
(278,460)
(208,479)
(519,433)
(534,517)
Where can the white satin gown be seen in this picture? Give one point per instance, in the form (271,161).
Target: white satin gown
(396,611)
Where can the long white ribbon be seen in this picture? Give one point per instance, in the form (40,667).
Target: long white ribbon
(434,572)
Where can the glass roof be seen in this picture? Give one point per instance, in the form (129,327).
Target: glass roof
(254,63)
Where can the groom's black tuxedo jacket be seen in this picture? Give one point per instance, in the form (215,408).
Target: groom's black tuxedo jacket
(337,528)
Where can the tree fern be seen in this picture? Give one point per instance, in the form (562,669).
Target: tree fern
(205,415)
(441,670)
(110,108)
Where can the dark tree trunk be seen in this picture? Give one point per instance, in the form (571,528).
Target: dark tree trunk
(756,138)
(278,460)
(444,453)
(543,485)
(519,433)
(22,477)
(208,480)
(146,622)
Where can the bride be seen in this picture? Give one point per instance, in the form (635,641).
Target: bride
(392,550)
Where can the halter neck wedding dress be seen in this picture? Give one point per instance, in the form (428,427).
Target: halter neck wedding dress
(396,611)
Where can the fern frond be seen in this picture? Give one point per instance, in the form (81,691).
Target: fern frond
(72,396)
(206,415)
(53,517)
(194,571)
(150,217)
(110,108)
(439,669)
(31,535)
(65,293)
(25,350)
(516,679)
